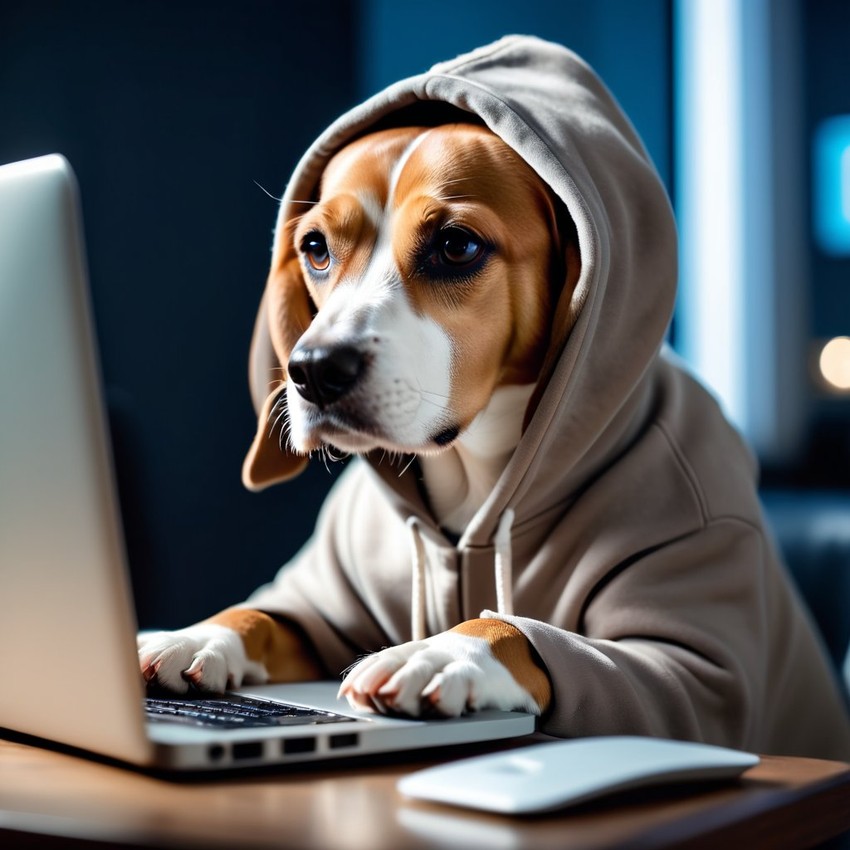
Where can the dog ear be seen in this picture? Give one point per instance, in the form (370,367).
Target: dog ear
(269,461)
(283,316)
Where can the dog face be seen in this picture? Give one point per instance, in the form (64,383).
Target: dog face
(416,285)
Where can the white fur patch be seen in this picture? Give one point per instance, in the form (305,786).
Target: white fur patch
(460,480)
(212,657)
(449,672)
(371,206)
(405,390)
(498,427)
(402,161)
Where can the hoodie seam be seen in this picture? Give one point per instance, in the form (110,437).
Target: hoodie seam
(500,47)
(528,526)
(688,472)
(576,196)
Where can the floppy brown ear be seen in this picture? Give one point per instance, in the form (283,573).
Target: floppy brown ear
(269,460)
(283,316)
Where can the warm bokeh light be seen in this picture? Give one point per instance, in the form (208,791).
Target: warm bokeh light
(835,363)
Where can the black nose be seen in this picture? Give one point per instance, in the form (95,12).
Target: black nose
(324,374)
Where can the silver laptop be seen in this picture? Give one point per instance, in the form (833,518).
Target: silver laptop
(67,627)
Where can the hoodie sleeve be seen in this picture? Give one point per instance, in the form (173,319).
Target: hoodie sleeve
(672,645)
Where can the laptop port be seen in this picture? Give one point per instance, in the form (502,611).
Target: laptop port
(339,742)
(291,746)
(248,750)
(215,752)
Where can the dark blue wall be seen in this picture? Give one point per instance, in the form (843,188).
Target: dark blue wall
(827,87)
(825,38)
(627,42)
(169,112)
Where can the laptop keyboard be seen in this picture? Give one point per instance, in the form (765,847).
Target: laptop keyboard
(233,711)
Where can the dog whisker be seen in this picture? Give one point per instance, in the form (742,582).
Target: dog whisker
(330,451)
(327,455)
(266,191)
(324,453)
(354,663)
(285,435)
(282,411)
(389,456)
(275,198)
(407,465)
(439,401)
(336,458)
(435,404)
(435,395)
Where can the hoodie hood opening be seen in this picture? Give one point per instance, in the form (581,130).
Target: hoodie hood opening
(551,108)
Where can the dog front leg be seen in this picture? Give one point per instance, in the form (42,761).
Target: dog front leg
(237,646)
(479,664)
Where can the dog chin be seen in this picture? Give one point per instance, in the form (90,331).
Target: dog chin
(354,441)
(351,442)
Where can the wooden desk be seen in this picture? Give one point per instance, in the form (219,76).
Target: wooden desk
(51,799)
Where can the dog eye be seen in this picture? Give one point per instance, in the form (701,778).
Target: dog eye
(315,249)
(458,247)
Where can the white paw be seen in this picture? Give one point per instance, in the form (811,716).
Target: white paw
(208,656)
(448,673)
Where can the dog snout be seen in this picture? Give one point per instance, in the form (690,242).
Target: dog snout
(324,374)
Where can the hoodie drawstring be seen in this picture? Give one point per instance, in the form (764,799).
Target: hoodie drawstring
(504,565)
(503,573)
(417,599)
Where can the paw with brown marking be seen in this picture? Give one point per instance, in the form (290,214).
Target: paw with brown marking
(479,664)
(238,646)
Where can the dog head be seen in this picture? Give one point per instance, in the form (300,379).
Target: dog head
(420,281)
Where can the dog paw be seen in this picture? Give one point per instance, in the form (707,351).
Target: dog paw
(206,656)
(448,674)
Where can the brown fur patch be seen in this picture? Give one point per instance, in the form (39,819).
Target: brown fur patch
(466,176)
(513,649)
(360,172)
(280,648)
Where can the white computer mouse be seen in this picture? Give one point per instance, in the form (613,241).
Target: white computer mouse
(550,776)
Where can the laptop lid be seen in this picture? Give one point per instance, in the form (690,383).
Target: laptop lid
(64,592)
(67,624)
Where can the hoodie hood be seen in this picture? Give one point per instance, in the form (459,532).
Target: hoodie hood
(552,109)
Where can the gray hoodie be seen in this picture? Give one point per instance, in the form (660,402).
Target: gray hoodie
(642,570)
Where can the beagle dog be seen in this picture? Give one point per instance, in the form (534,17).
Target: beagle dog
(419,234)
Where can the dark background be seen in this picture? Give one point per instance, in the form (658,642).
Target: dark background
(168,112)
(171,113)
(825,461)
